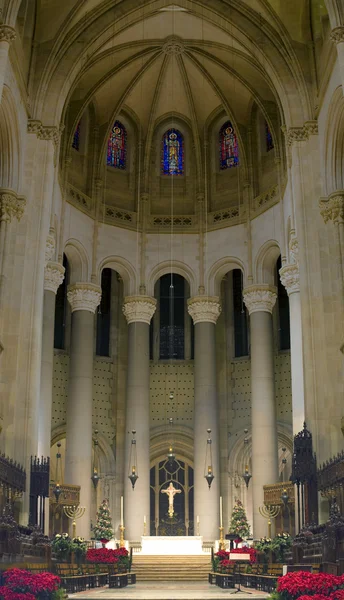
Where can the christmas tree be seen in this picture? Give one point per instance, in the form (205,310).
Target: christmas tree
(103,529)
(239,523)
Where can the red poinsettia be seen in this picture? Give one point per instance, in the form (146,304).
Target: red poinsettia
(106,555)
(302,583)
(246,550)
(24,585)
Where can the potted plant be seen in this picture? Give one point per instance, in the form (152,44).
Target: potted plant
(62,546)
(24,585)
(79,548)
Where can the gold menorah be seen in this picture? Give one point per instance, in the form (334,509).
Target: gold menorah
(74,513)
(269,511)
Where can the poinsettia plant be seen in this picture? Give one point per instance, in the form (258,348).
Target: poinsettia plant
(222,561)
(302,585)
(108,556)
(24,585)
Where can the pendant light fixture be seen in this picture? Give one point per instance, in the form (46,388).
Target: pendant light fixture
(95,473)
(208,465)
(58,474)
(133,470)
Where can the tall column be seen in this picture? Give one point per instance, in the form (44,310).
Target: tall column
(260,300)
(138,311)
(7,35)
(332,209)
(337,36)
(84,299)
(205,311)
(53,277)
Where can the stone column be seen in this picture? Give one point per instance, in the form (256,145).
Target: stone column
(205,311)
(260,300)
(332,209)
(10,206)
(337,37)
(7,35)
(290,278)
(138,311)
(84,299)
(53,277)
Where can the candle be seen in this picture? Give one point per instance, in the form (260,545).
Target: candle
(121,511)
(144,520)
(220,511)
(197,519)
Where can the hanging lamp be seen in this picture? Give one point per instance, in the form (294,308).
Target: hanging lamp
(208,466)
(133,470)
(95,474)
(58,474)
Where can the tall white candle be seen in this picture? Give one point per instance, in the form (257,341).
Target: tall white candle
(197,519)
(144,520)
(220,511)
(121,511)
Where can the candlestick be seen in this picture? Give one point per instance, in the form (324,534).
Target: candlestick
(121,511)
(220,511)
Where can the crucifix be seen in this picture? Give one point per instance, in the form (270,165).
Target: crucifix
(171,491)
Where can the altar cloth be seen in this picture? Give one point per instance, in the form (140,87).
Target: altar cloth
(172,545)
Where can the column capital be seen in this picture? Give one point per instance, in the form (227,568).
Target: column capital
(11,206)
(53,276)
(332,208)
(290,278)
(7,33)
(84,296)
(260,298)
(204,309)
(337,35)
(139,309)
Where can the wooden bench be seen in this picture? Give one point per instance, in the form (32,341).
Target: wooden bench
(268,581)
(118,580)
(224,580)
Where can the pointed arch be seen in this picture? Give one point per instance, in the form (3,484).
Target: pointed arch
(117,147)
(172,152)
(228,147)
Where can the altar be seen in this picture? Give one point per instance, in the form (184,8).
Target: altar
(172,545)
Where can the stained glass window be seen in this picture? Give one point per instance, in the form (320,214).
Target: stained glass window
(172,156)
(76,138)
(117,147)
(229,155)
(268,138)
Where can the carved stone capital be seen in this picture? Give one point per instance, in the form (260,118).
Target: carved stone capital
(204,309)
(11,206)
(84,296)
(44,132)
(332,209)
(7,34)
(53,276)
(311,128)
(290,278)
(49,247)
(301,134)
(337,35)
(139,309)
(260,298)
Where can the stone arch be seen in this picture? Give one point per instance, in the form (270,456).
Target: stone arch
(177,267)
(78,261)
(124,268)
(10,147)
(219,269)
(182,444)
(334,144)
(265,262)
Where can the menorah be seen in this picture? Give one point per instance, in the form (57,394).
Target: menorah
(269,512)
(74,513)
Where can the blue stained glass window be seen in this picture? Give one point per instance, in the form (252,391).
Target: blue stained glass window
(268,138)
(172,156)
(117,147)
(76,138)
(228,145)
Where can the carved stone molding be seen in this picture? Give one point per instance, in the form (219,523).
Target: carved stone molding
(44,132)
(139,309)
(337,35)
(260,298)
(84,296)
(53,276)
(301,134)
(7,34)
(173,45)
(293,249)
(11,206)
(204,309)
(332,209)
(290,278)
(49,247)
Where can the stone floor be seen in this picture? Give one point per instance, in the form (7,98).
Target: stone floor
(168,591)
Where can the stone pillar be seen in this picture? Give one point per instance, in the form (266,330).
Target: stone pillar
(84,299)
(138,311)
(7,35)
(290,278)
(10,206)
(205,311)
(337,37)
(53,277)
(332,209)
(260,300)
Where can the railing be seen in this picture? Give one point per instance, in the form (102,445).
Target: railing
(222,217)
(120,216)
(79,199)
(273,493)
(265,200)
(331,473)
(177,221)
(70,495)
(12,475)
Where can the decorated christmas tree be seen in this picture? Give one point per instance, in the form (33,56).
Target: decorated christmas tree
(103,529)
(239,523)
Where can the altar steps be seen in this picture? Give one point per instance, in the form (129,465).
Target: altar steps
(171,568)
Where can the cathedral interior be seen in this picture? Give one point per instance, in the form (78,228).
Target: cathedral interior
(171,253)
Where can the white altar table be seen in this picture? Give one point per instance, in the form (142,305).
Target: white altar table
(169,545)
